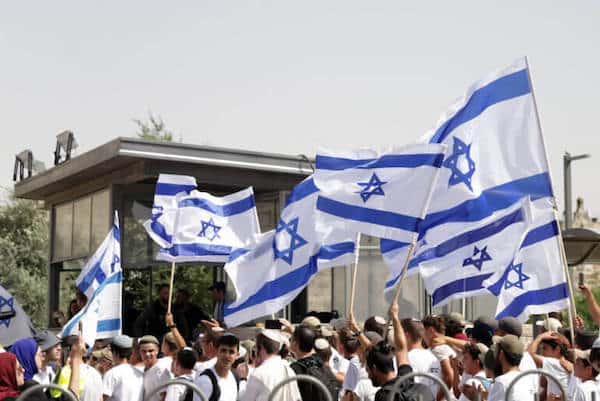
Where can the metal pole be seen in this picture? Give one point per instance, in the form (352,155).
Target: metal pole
(567,180)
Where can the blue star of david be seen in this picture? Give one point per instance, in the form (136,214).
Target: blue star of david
(10,302)
(210,230)
(372,187)
(478,262)
(296,241)
(460,149)
(115,261)
(518,268)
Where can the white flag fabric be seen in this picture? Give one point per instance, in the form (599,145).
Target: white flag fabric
(534,281)
(456,267)
(160,225)
(101,316)
(105,261)
(14,322)
(208,227)
(382,194)
(284,261)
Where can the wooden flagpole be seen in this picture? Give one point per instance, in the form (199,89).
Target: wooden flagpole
(171,286)
(354,274)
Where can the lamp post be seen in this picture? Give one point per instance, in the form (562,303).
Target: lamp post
(567,159)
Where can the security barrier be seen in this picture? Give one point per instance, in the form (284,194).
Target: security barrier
(25,394)
(305,378)
(540,372)
(186,383)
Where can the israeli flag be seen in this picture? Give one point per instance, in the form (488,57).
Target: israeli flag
(160,226)
(101,316)
(269,276)
(208,227)
(382,194)
(534,282)
(104,262)
(457,267)
(14,322)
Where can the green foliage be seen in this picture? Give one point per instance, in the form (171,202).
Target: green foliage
(24,256)
(582,308)
(153,130)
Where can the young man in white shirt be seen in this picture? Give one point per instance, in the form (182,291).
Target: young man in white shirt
(169,350)
(51,353)
(508,354)
(473,358)
(123,382)
(421,360)
(434,327)
(208,344)
(553,349)
(218,382)
(154,374)
(183,366)
(270,371)
(586,373)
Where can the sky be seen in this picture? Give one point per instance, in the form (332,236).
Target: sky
(290,76)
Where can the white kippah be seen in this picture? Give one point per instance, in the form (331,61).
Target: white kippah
(321,344)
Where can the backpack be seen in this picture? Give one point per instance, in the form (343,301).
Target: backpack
(313,366)
(216,390)
(408,391)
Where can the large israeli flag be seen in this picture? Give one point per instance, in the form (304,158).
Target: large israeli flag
(208,227)
(456,267)
(105,261)
(383,194)
(101,316)
(534,282)
(270,275)
(495,157)
(161,224)
(14,322)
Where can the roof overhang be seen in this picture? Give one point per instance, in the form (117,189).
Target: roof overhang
(582,245)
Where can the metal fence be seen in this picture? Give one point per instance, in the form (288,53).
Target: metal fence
(299,378)
(25,394)
(186,383)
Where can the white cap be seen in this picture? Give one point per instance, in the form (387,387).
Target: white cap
(379,320)
(274,335)
(552,324)
(321,344)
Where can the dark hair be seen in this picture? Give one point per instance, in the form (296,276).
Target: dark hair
(324,354)
(121,352)
(349,340)
(474,352)
(271,347)
(381,357)
(436,322)
(228,340)
(413,328)
(512,359)
(186,358)
(564,351)
(453,327)
(305,338)
(372,325)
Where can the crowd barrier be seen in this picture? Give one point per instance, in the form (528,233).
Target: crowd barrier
(186,383)
(25,394)
(305,378)
(396,387)
(540,372)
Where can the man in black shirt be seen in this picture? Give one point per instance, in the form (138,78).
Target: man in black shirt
(152,319)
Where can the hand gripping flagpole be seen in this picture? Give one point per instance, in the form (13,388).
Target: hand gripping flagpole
(571,310)
(354,274)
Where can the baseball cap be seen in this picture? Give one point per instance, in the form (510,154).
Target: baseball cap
(585,355)
(217,285)
(148,339)
(312,322)
(46,340)
(511,325)
(103,353)
(511,343)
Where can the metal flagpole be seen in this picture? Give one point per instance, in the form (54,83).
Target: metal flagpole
(354,274)
(571,310)
(171,286)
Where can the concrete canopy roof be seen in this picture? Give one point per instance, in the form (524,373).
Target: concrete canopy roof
(582,245)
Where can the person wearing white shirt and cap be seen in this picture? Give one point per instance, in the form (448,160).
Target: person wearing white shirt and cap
(123,382)
(270,371)
(51,352)
(587,388)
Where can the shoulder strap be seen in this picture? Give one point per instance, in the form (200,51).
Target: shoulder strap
(216,391)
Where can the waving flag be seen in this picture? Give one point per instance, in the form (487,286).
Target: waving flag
(208,227)
(160,225)
(14,322)
(534,281)
(271,274)
(380,194)
(105,261)
(457,267)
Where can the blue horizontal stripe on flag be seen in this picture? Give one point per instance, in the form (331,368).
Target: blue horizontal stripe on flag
(534,297)
(160,230)
(468,238)
(166,189)
(94,274)
(301,191)
(220,210)
(196,250)
(492,199)
(333,251)
(108,325)
(386,161)
(236,253)
(504,88)
(473,283)
(368,215)
(388,245)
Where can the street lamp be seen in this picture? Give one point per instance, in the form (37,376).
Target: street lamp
(567,159)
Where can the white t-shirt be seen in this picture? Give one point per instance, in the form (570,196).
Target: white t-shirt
(527,363)
(47,375)
(468,379)
(175,392)
(553,366)
(338,363)
(266,376)
(227,385)
(440,353)
(165,362)
(365,391)
(200,367)
(153,378)
(423,361)
(583,391)
(123,383)
(93,384)
(521,390)
(352,376)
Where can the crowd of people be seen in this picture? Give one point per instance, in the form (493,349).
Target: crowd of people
(452,359)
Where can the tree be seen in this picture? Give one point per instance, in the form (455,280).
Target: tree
(154,129)
(24,256)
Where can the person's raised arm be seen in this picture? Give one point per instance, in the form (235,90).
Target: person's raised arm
(399,336)
(76,360)
(591,303)
(533,347)
(456,343)
(170,322)
(362,339)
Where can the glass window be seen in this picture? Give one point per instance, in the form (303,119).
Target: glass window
(101,217)
(82,209)
(63,231)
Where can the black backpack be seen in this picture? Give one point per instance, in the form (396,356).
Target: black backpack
(313,366)
(407,391)
(216,390)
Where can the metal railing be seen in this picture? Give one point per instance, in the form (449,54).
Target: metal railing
(25,394)
(402,379)
(299,378)
(186,383)
(539,372)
